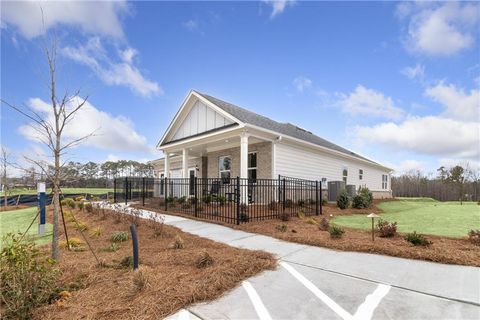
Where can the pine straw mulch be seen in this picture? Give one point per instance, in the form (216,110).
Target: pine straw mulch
(443,249)
(171,279)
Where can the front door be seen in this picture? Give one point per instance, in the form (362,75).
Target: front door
(191,174)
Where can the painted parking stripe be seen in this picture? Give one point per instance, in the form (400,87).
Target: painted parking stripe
(366,309)
(322,296)
(262,312)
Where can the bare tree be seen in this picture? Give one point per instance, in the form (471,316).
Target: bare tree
(5,156)
(49,129)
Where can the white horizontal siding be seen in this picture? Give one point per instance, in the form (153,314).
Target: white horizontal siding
(293,161)
(201,118)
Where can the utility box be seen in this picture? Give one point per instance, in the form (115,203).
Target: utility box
(352,192)
(334,188)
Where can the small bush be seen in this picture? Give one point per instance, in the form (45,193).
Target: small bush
(311,221)
(127,262)
(244,217)
(474,237)
(177,243)
(386,229)
(335,232)
(96,232)
(284,216)
(221,200)
(140,279)
(207,199)
(80,225)
(281,227)
(300,203)
(324,202)
(170,199)
(89,207)
(119,236)
(417,239)
(342,200)
(324,225)
(182,200)
(363,199)
(79,198)
(288,203)
(192,201)
(186,205)
(80,205)
(74,243)
(69,202)
(112,247)
(204,260)
(272,206)
(301,214)
(27,278)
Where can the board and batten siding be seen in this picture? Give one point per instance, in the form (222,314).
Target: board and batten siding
(297,162)
(201,118)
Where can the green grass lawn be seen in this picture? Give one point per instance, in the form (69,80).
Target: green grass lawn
(18,221)
(423,215)
(64,190)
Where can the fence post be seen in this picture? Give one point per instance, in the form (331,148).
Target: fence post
(237,199)
(126,190)
(316,198)
(165,192)
(114,190)
(143,191)
(195,194)
(133,231)
(283,193)
(321,197)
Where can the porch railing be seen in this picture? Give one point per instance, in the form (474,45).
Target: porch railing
(232,200)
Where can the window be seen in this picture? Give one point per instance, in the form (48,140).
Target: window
(384,181)
(224,167)
(252,167)
(345,175)
(162,183)
(360,174)
(324,183)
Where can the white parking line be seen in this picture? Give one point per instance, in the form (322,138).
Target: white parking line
(322,296)
(262,312)
(366,309)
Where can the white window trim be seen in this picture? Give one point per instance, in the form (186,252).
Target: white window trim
(220,171)
(343,176)
(253,168)
(360,174)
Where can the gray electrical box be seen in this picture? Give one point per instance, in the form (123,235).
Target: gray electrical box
(334,188)
(352,192)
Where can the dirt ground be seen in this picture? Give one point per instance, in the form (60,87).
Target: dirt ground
(168,279)
(443,250)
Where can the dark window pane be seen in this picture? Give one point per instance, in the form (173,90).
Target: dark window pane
(252,175)
(252,160)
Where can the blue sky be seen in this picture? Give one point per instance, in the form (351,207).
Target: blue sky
(396,82)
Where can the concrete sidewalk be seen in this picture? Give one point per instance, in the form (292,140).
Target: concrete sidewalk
(416,289)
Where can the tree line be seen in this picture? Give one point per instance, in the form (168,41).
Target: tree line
(456,183)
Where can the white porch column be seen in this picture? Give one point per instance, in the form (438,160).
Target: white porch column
(244,167)
(166,168)
(185,163)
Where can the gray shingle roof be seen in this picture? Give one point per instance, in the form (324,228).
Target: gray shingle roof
(288,129)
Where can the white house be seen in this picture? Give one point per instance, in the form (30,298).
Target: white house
(211,138)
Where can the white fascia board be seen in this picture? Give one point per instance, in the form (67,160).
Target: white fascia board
(315,146)
(191,94)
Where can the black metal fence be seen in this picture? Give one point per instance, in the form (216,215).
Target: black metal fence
(233,200)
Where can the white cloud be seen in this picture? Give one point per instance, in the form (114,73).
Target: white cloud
(440,28)
(122,72)
(102,17)
(111,132)
(301,83)
(414,72)
(278,6)
(408,165)
(191,25)
(364,101)
(458,104)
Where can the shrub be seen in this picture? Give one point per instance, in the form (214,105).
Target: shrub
(27,279)
(244,217)
(79,198)
(186,205)
(74,243)
(119,236)
(112,247)
(363,199)
(221,200)
(127,262)
(281,227)
(69,202)
(342,200)
(272,206)
(170,199)
(300,203)
(204,260)
(474,237)
(417,239)
(335,232)
(288,203)
(80,225)
(311,221)
(324,202)
(177,243)
(324,225)
(207,199)
(89,207)
(284,216)
(156,222)
(301,214)
(96,232)
(140,279)
(80,205)
(182,200)
(192,201)
(386,229)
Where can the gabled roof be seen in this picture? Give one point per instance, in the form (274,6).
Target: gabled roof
(288,129)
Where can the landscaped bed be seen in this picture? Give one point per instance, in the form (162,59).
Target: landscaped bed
(305,230)
(176,269)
